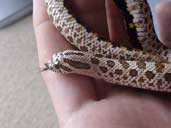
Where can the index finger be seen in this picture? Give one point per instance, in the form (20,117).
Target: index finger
(68,92)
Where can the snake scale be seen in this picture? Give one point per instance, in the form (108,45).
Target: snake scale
(147,67)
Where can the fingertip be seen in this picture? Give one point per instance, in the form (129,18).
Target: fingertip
(39,12)
(116,24)
(163,7)
(163,11)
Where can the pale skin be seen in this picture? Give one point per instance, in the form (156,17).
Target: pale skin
(81,102)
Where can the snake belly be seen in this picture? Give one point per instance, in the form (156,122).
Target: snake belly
(147,68)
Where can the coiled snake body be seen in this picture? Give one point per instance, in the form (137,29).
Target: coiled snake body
(148,67)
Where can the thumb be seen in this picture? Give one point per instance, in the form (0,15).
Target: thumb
(116,26)
(163,11)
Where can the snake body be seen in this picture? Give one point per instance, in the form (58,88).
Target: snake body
(148,67)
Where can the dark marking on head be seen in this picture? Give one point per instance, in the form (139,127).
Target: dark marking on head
(150,75)
(77,64)
(66,68)
(74,53)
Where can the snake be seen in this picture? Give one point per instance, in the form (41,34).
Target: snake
(145,66)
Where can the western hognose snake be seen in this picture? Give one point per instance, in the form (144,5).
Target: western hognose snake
(148,67)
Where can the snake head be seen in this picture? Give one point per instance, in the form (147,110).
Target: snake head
(54,63)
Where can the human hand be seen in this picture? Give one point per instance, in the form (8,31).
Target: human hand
(82,102)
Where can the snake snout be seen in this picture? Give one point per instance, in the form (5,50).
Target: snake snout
(55,62)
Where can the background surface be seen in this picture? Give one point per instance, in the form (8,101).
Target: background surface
(24,100)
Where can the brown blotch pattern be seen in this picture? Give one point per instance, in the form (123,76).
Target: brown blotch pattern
(95,60)
(79,29)
(124,64)
(103,69)
(118,72)
(125,77)
(111,74)
(141,80)
(167,77)
(66,30)
(70,39)
(150,75)
(159,67)
(59,28)
(75,35)
(79,40)
(141,65)
(159,83)
(134,81)
(150,84)
(133,72)
(110,63)
(84,48)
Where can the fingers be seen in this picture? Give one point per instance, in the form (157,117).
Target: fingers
(164,20)
(115,20)
(118,35)
(92,14)
(68,92)
(47,36)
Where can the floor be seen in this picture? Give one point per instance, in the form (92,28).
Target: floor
(24,100)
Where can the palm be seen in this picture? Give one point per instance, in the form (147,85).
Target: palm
(83,102)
